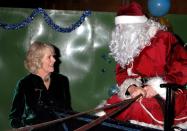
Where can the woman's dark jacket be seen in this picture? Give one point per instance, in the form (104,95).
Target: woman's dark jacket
(33,103)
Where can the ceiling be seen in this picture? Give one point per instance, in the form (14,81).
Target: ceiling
(177,6)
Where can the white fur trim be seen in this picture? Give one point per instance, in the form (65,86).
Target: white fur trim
(146,124)
(130,19)
(123,88)
(182,125)
(101,113)
(155,83)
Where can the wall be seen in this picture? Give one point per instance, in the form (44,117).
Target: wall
(84,55)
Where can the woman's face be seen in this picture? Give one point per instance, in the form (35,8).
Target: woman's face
(48,61)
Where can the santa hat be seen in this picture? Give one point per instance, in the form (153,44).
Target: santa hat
(129,14)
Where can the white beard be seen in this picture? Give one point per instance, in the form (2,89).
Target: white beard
(128,40)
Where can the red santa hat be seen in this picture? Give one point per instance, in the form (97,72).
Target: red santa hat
(129,14)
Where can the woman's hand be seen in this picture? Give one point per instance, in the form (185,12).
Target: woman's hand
(135,91)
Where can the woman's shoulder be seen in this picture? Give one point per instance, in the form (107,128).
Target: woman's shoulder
(59,76)
(29,78)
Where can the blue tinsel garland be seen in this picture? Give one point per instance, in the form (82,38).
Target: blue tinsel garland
(47,19)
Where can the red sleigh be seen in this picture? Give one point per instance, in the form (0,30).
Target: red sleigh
(72,121)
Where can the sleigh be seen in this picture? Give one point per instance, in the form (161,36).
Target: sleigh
(78,123)
(83,121)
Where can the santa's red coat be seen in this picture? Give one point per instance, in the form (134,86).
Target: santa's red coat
(164,58)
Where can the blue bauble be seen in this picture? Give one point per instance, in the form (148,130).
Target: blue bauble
(158,7)
(113,90)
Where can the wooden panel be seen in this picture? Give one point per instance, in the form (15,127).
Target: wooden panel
(177,6)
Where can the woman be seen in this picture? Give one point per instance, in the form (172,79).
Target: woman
(42,92)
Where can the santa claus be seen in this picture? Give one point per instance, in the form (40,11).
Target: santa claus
(147,55)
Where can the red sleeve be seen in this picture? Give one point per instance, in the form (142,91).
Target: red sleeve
(177,66)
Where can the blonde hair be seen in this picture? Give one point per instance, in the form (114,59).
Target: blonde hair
(35,54)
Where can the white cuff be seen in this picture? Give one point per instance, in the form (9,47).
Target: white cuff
(155,83)
(124,86)
(182,125)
